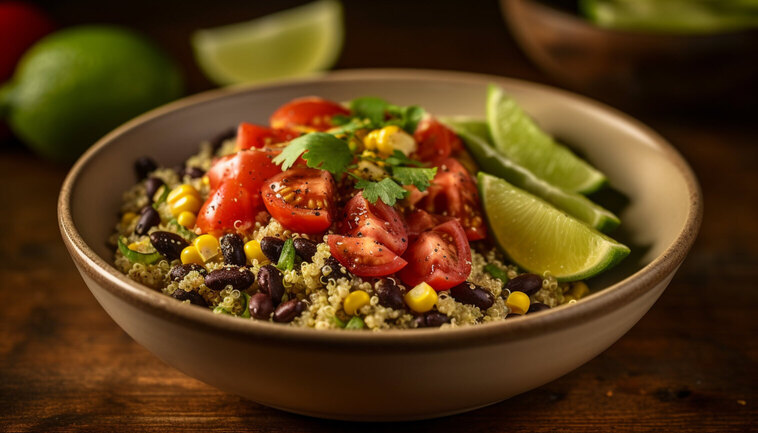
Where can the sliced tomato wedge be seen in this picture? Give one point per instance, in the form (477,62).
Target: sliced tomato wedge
(441,257)
(454,193)
(363,256)
(420,221)
(257,136)
(435,141)
(235,182)
(301,199)
(307,114)
(229,208)
(377,221)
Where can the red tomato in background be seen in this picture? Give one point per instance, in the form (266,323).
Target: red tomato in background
(435,141)
(21,24)
(307,114)
(454,193)
(301,199)
(420,221)
(256,136)
(235,182)
(441,257)
(364,257)
(377,221)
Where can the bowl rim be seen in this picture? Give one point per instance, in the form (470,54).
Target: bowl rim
(597,304)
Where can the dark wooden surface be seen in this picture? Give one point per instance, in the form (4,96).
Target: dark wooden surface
(691,364)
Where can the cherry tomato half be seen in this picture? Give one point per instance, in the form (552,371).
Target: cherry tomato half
(229,208)
(420,221)
(307,114)
(435,141)
(364,257)
(377,221)
(301,199)
(454,193)
(256,136)
(441,257)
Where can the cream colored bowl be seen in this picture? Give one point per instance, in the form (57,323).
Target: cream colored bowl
(396,375)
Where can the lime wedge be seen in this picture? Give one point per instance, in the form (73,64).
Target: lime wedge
(470,125)
(540,238)
(286,44)
(576,205)
(517,137)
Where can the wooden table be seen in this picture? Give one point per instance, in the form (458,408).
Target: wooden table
(689,365)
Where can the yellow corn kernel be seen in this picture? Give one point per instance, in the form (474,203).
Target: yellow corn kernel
(388,139)
(579,289)
(206,180)
(518,302)
(207,246)
(186,219)
(128,217)
(134,246)
(421,298)
(188,203)
(191,255)
(355,301)
(180,191)
(253,252)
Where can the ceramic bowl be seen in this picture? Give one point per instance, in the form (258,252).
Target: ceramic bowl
(637,69)
(401,374)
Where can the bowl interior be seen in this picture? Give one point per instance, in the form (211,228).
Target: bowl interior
(638,164)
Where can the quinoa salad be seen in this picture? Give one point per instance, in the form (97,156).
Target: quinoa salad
(362,215)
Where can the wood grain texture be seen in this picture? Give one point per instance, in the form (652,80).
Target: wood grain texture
(689,365)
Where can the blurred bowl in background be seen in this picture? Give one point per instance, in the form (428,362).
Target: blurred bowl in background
(633,68)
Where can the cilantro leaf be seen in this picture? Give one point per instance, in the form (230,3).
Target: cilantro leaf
(320,150)
(417,176)
(370,108)
(408,117)
(387,189)
(399,158)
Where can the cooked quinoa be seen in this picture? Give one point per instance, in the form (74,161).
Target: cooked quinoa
(323,297)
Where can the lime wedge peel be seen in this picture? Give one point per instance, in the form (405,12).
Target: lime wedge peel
(576,205)
(540,238)
(286,44)
(516,136)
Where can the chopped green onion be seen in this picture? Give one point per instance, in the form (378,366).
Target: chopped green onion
(287,257)
(162,197)
(496,272)
(137,257)
(337,321)
(182,230)
(355,322)
(246,300)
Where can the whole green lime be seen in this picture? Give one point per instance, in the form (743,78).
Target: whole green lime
(75,85)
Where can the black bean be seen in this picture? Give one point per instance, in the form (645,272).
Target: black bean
(218,140)
(435,319)
(192,296)
(305,248)
(238,278)
(272,248)
(287,311)
(271,282)
(193,172)
(143,166)
(148,219)
(390,295)
(536,307)
(261,306)
(233,249)
(152,185)
(420,321)
(336,272)
(527,283)
(178,272)
(170,245)
(471,294)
